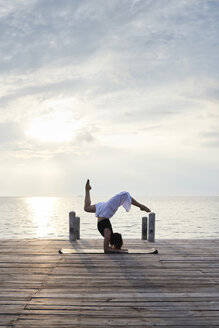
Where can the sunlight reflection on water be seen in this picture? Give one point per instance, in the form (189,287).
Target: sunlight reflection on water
(47,217)
(42,210)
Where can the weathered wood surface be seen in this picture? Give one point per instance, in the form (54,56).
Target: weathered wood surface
(176,288)
(74,226)
(151,227)
(144,233)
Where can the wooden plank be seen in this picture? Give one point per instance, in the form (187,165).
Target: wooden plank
(128,312)
(80,321)
(119,306)
(7,319)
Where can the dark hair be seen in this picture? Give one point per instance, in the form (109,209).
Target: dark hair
(116,240)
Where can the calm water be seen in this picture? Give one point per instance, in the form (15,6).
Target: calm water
(47,217)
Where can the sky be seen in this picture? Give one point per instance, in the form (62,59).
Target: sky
(124,92)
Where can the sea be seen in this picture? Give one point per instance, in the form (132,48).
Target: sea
(48,217)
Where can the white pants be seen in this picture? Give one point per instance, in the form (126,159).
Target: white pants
(109,208)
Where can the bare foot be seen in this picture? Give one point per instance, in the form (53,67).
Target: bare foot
(87,186)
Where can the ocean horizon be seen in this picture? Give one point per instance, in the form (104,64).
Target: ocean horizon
(177,217)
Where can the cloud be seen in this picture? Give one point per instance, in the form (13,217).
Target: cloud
(85,137)
(16,6)
(10,132)
(139,76)
(74,32)
(210,138)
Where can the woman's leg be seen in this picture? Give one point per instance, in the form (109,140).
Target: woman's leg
(87,201)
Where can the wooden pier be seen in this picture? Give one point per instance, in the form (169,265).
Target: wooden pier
(176,288)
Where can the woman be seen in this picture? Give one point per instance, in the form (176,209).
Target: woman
(104,211)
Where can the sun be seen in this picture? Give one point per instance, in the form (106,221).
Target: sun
(52,130)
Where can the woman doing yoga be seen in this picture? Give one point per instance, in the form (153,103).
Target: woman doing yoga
(104,211)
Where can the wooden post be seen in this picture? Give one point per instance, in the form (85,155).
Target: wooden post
(74,226)
(151,228)
(144,228)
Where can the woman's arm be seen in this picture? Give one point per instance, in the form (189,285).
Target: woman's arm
(141,206)
(114,250)
(106,244)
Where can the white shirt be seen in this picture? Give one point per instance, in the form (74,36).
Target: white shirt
(109,208)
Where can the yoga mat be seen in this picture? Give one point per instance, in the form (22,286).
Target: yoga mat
(100,251)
